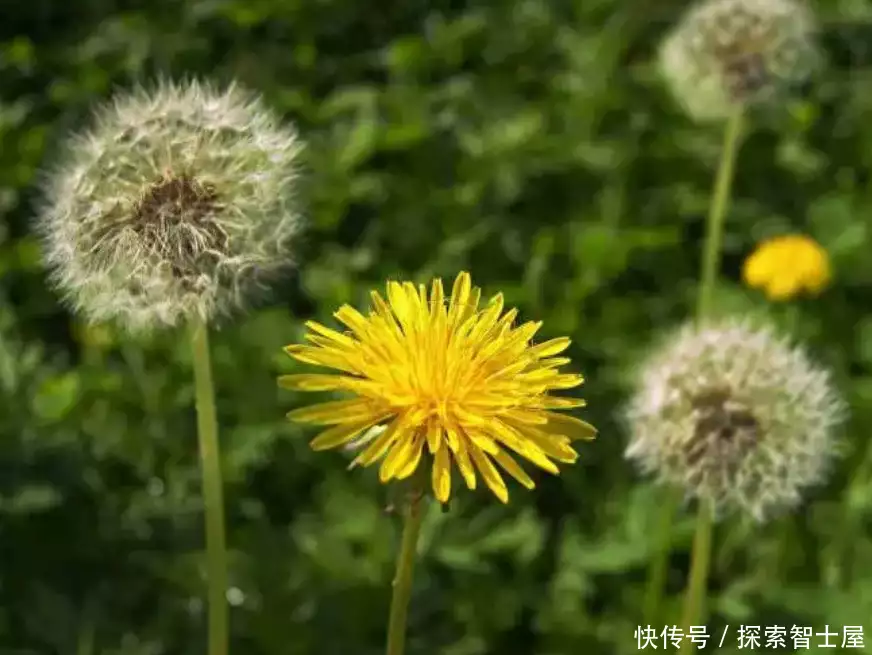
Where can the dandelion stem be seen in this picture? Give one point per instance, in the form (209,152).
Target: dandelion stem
(660,562)
(717,214)
(402,586)
(694,598)
(708,278)
(697,583)
(213,496)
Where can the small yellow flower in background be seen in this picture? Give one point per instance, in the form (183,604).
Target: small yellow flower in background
(456,378)
(784,266)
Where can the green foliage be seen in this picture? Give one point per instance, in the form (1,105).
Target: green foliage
(526,141)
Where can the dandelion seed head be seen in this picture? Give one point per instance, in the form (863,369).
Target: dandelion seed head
(178,202)
(736,416)
(726,54)
(440,381)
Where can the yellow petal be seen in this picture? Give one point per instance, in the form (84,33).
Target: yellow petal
(459,446)
(384,312)
(487,318)
(527,331)
(565,381)
(337,411)
(325,343)
(482,441)
(398,456)
(331,335)
(339,434)
(312,382)
(511,369)
(757,269)
(321,357)
(353,319)
(459,296)
(553,362)
(437,296)
(378,447)
(434,437)
(517,440)
(442,475)
(781,287)
(550,348)
(467,417)
(489,472)
(555,447)
(504,325)
(401,302)
(511,467)
(818,274)
(569,426)
(527,417)
(413,460)
(556,402)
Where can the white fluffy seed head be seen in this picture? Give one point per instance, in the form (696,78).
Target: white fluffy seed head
(734,415)
(177,204)
(727,54)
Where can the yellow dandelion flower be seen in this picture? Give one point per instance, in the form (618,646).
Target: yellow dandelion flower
(455,377)
(784,266)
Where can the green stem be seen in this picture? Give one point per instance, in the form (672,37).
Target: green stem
(694,599)
(402,586)
(700,557)
(660,562)
(717,215)
(705,298)
(213,495)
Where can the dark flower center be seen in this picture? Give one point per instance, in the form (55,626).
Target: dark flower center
(746,75)
(725,430)
(175,217)
(744,61)
(176,198)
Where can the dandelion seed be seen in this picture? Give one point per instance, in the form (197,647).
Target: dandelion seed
(726,54)
(177,204)
(448,381)
(735,416)
(785,266)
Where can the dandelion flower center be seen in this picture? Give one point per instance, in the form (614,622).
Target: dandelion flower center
(176,216)
(175,200)
(448,381)
(725,429)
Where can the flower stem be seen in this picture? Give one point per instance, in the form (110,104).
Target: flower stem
(660,562)
(213,496)
(700,557)
(708,277)
(402,586)
(694,598)
(717,215)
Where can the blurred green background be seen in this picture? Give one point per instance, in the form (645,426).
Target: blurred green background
(527,141)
